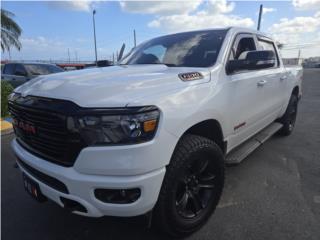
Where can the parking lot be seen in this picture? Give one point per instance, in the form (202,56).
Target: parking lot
(273,194)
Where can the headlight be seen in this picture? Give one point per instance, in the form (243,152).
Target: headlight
(13,96)
(103,129)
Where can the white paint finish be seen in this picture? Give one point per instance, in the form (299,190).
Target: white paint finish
(229,99)
(127,160)
(110,86)
(81,186)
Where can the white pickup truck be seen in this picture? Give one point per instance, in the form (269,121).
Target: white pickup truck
(152,135)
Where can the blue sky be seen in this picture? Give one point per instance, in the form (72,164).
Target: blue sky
(51,28)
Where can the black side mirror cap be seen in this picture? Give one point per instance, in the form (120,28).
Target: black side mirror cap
(254,60)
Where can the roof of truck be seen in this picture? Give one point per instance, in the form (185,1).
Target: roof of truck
(233,29)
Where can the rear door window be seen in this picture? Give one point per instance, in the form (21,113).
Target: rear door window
(20,70)
(268,45)
(9,69)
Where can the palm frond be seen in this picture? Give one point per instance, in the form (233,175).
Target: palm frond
(10,31)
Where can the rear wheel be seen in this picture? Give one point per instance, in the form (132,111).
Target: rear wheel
(192,186)
(289,118)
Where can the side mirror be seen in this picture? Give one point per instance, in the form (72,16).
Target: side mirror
(253,60)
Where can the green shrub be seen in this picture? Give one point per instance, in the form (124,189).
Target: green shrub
(6,89)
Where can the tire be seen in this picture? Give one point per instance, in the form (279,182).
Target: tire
(289,118)
(191,188)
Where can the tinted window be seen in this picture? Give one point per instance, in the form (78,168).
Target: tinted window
(8,69)
(20,70)
(245,44)
(42,69)
(191,49)
(265,45)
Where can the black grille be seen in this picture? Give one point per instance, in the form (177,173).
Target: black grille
(51,140)
(48,180)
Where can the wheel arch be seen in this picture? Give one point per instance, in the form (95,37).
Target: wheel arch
(295,91)
(210,129)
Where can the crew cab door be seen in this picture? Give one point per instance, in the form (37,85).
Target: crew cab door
(276,80)
(245,89)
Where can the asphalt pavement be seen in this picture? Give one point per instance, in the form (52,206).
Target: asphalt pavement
(273,194)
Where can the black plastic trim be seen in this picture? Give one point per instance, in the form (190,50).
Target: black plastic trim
(44,178)
(73,205)
(69,108)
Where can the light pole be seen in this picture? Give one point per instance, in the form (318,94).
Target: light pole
(94,35)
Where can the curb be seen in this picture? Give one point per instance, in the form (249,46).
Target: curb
(6,132)
(6,126)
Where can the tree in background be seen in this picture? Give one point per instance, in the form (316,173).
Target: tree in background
(10,31)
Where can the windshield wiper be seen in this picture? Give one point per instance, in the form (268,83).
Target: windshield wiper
(167,64)
(170,64)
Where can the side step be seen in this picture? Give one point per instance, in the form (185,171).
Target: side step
(242,151)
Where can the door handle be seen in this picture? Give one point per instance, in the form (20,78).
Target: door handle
(261,83)
(283,78)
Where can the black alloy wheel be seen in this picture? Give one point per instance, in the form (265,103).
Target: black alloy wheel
(289,118)
(192,186)
(196,188)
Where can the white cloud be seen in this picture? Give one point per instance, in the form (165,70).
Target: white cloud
(40,42)
(268,10)
(296,30)
(77,5)
(43,48)
(160,7)
(306,4)
(199,20)
(211,14)
(220,6)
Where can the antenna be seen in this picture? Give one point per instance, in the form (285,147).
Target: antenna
(260,15)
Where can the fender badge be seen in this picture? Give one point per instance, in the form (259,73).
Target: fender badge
(239,126)
(191,76)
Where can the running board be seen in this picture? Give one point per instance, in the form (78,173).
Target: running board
(241,152)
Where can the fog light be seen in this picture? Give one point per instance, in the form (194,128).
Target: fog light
(117,196)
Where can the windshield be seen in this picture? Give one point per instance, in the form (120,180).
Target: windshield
(190,49)
(42,69)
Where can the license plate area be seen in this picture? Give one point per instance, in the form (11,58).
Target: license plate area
(33,188)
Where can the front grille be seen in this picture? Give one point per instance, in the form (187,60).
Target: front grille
(51,140)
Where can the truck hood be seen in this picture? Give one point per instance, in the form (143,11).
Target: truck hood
(115,86)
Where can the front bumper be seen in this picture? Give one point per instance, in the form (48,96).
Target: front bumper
(81,183)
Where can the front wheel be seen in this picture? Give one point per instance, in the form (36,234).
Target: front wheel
(192,186)
(289,118)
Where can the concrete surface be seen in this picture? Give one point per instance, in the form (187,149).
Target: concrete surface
(273,194)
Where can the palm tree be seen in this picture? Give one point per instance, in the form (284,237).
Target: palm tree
(10,31)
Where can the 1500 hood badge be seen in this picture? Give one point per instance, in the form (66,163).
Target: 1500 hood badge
(191,76)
